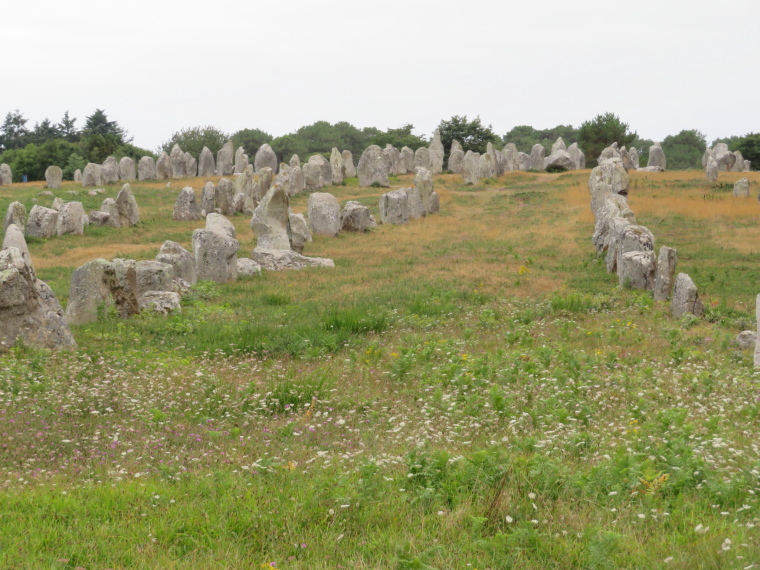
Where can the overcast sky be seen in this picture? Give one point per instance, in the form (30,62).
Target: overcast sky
(158,66)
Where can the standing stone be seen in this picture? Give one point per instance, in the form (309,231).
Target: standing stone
(414,203)
(241,160)
(559,144)
(14,237)
(724,157)
(487,166)
(146,168)
(92,175)
(224,198)
(57,204)
(741,188)
(215,256)
(471,168)
(348,164)
(423,182)
(244,186)
(42,223)
(537,155)
(77,175)
(394,155)
(560,160)
(295,161)
(656,157)
(422,158)
(666,270)
(324,214)
(633,155)
(711,169)
(208,198)
(221,225)
(181,260)
(407,159)
(739,162)
(686,298)
(436,153)
(498,159)
(394,207)
(53,176)
(129,213)
(336,166)
(312,173)
(110,171)
(265,158)
(373,168)
(111,211)
(238,203)
(177,162)
(523,161)
(299,232)
(191,166)
(356,217)
(206,165)
(15,214)
(264,179)
(324,165)
(186,208)
(270,221)
(153,276)
(224,160)
(636,269)
(6,175)
(456,158)
(293,180)
(71,219)
(127,168)
(747,165)
(510,155)
(163,167)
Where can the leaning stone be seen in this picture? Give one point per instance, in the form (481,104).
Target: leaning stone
(348,164)
(71,219)
(53,177)
(43,222)
(356,217)
(394,207)
(186,208)
(666,270)
(248,267)
(215,256)
(15,214)
(146,168)
(741,188)
(206,164)
(110,171)
(270,221)
(324,214)
(739,162)
(129,213)
(181,260)
(127,169)
(685,298)
(283,259)
(373,168)
(300,234)
(746,340)
(265,158)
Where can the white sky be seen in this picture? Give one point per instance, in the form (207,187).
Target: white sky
(158,66)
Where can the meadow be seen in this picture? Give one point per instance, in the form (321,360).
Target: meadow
(471,390)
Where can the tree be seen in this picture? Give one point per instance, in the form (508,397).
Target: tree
(193,139)
(399,138)
(101,138)
(67,128)
(43,131)
(75,162)
(98,124)
(685,150)
(471,134)
(250,140)
(13,131)
(288,145)
(601,132)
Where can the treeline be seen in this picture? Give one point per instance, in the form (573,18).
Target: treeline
(29,151)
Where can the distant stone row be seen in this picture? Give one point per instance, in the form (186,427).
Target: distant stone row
(720,159)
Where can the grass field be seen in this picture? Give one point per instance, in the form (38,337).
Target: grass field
(471,390)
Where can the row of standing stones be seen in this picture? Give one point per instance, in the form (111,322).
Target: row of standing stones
(720,159)
(34,314)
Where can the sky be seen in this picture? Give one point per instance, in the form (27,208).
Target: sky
(159,66)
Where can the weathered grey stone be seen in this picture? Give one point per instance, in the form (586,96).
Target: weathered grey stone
(208,198)
(146,168)
(127,169)
(6,174)
(300,234)
(422,158)
(724,157)
(746,340)
(436,154)
(356,218)
(559,144)
(129,213)
(270,221)
(238,203)
(407,159)
(293,180)
(110,208)
(248,267)
(498,159)
(435,203)
(523,161)
(739,162)
(312,173)
(206,164)
(95,192)
(394,207)
(215,256)
(511,157)
(283,259)
(264,179)
(324,164)
(186,208)
(241,161)
(373,168)
(349,170)
(631,238)
(265,158)
(394,155)
(15,214)
(153,276)
(92,175)
(666,270)
(471,168)
(161,302)
(43,222)
(78,175)
(99,283)
(747,165)
(71,219)
(221,225)
(414,203)
(191,166)
(14,237)
(456,158)
(177,162)
(163,167)
(633,155)
(559,160)
(537,155)
(46,193)
(324,214)
(53,177)
(295,161)
(181,260)
(110,171)
(711,169)
(28,308)
(336,167)
(244,187)
(656,157)
(224,160)
(98,218)
(224,197)
(423,182)
(636,269)
(741,188)
(685,298)
(487,165)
